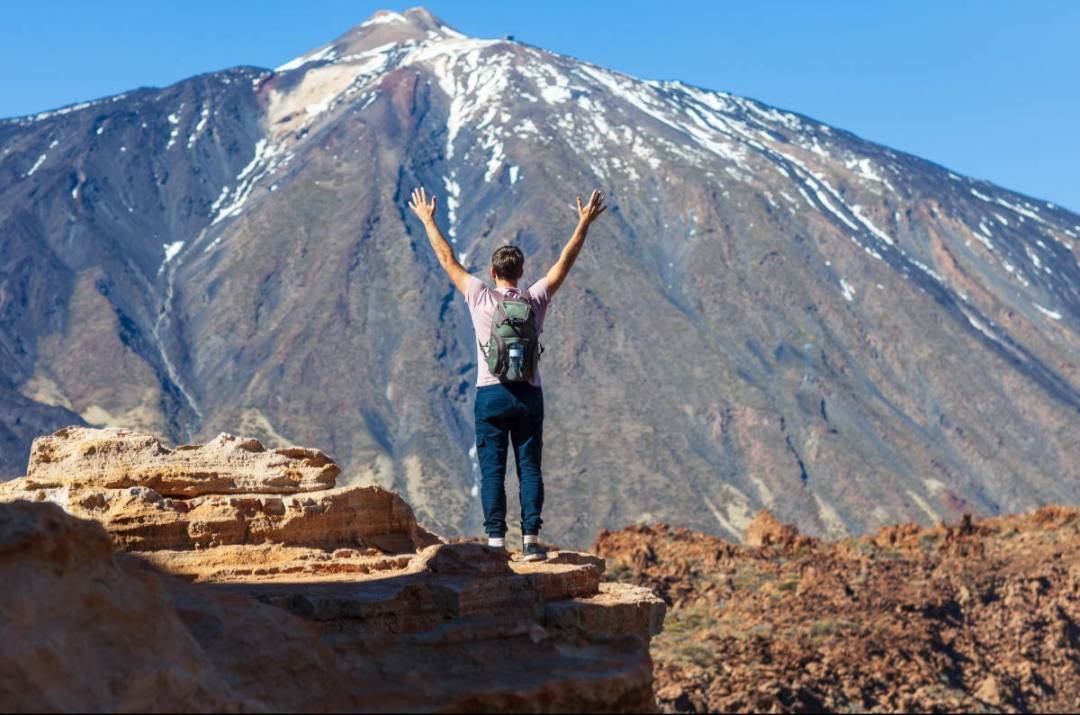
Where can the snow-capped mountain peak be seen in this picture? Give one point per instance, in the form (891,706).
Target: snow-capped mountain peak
(846,334)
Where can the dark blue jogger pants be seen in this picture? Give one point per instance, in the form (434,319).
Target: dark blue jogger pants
(514,414)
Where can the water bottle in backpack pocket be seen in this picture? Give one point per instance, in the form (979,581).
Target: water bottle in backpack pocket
(515,369)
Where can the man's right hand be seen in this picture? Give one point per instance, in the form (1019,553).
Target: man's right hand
(587,213)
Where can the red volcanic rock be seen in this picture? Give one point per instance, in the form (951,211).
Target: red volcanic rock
(765,530)
(972,616)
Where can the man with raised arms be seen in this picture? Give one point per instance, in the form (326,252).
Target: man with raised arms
(509,410)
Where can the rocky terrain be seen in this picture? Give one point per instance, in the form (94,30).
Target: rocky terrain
(979,616)
(227,577)
(774,313)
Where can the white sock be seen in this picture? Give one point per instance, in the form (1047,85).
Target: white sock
(499,543)
(530,538)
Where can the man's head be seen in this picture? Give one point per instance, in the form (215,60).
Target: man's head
(507,263)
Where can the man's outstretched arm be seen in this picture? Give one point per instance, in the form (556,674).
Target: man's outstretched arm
(586,215)
(425,211)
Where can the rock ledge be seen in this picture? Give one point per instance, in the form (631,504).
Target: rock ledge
(229,577)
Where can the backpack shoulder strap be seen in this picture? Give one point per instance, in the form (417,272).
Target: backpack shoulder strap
(498,318)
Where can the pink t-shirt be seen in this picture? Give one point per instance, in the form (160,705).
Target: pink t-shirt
(482,301)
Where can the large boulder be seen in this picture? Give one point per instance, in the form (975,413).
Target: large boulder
(118,458)
(766,530)
(231,491)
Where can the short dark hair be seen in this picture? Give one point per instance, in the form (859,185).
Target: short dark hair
(508,262)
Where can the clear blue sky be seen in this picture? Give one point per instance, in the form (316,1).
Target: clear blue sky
(989,88)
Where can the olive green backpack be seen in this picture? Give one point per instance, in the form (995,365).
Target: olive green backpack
(513,350)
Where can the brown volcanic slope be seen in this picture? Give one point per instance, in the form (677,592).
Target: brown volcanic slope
(981,616)
(847,335)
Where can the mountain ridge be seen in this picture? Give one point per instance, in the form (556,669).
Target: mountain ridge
(82,104)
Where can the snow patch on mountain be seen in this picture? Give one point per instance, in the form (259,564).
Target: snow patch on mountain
(847,290)
(204,116)
(383,17)
(1053,314)
(171,249)
(267,159)
(453,201)
(174,120)
(324,54)
(472,86)
(36,166)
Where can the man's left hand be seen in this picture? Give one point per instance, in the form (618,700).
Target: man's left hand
(420,206)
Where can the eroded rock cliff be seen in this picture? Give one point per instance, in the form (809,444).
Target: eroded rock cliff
(229,577)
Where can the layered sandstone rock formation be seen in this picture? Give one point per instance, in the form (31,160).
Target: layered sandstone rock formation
(980,616)
(228,492)
(229,577)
